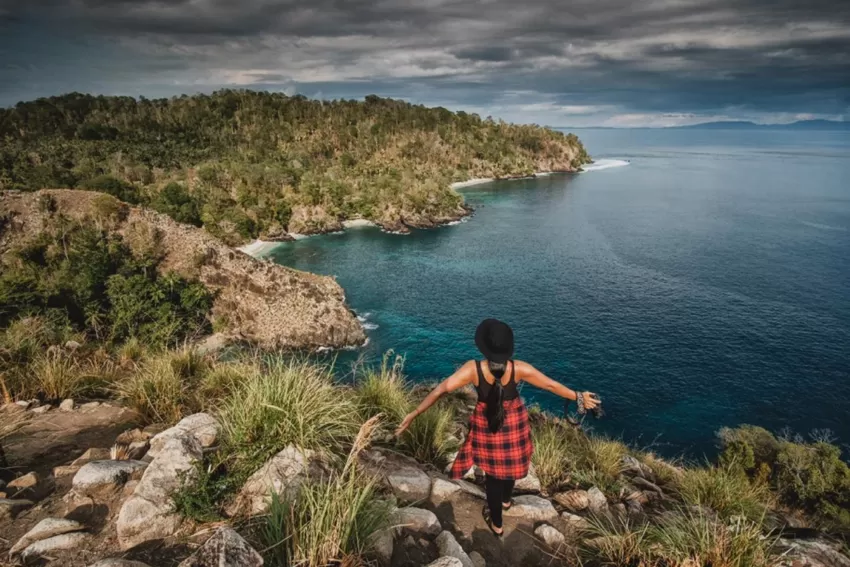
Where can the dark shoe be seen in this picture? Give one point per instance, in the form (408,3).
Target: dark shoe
(486,513)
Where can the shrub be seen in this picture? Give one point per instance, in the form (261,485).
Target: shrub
(175,201)
(329,522)
(748,447)
(287,401)
(112,186)
(726,490)
(202,499)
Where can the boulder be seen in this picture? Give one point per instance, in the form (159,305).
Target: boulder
(100,478)
(409,484)
(10,508)
(573,500)
(115,562)
(632,467)
(446,562)
(30,486)
(448,546)
(417,520)
(574,523)
(47,528)
(202,426)
(598,504)
(93,454)
(149,514)
(141,520)
(282,474)
(443,489)
(67,405)
(49,546)
(42,409)
(382,544)
(225,548)
(529,483)
(477,559)
(646,485)
(549,535)
(531,508)
(472,489)
(815,553)
(65,470)
(89,406)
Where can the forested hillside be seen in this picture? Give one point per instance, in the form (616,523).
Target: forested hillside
(246,164)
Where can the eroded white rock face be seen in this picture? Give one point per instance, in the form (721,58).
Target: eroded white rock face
(225,548)
(282,474)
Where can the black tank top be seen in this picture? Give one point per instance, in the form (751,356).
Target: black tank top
(509,390)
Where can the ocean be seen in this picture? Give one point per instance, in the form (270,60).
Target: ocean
(694,279)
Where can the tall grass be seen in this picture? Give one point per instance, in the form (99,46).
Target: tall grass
(551,456)
(616,541)
(329,521)
(164,386)
(384,391)
(287,401)
(725,489)
(429,438)
(57,375)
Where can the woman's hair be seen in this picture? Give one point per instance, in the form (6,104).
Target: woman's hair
(495,412)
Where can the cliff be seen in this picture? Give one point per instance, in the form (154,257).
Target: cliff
(263,303)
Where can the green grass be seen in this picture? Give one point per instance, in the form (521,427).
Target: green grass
(384,391)
(287,401)
(329,521)
(726,490)
(613,541)
(428,439)
(551,456)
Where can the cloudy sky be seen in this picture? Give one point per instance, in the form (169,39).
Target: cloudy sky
(583,62)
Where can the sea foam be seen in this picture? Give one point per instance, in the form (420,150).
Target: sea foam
(605,164)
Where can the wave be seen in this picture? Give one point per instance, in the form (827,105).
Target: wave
(364,320)
(823,226)
(605,164)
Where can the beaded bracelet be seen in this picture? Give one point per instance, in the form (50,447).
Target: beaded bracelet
(580,402)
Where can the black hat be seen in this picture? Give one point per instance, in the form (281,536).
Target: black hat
(495,340)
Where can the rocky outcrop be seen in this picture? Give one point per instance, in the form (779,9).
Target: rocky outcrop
(201,426)
(282,474)
(264,303)
(409,484)
(225,548)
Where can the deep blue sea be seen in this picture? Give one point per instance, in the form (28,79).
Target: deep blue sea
(704,284)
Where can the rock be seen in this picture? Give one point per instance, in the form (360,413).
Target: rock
(202,426)
(149,513)
(67,405)
(131,436)
(416,520)
(90,406)
(574,523)
(630,466)
(443,489)
(531,508)
(10,508)
(477,559)
(573,500)
(448,546)
(638,496)
(212,344)
(598,504)
(647,485)
(382,544)
(409,484)
(529,483)
(619,509)
(93,454)
(283,473)
(225,548)
(549,535)
(100,478)
(446,562)
(23,404)
(30,486)
(47,528)
(816,553)
(634,508)
(471,489)
(115,562)
(49,546)
(42,409)
(65,470)
(72,345)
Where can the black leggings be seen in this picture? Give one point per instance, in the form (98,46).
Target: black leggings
(498,492)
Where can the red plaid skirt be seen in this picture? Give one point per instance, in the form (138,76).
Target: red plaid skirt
(506,454)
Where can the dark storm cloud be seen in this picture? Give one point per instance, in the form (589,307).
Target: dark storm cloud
(623,62)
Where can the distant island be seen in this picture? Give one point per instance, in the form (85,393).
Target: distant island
(746,125)
(248,165)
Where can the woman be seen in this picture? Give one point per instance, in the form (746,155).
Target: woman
(499,439)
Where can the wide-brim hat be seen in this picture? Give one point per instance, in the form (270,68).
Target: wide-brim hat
(495,340)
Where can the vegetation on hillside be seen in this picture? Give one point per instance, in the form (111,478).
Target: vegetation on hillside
(246,163)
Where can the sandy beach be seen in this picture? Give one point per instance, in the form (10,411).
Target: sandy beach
(257,247)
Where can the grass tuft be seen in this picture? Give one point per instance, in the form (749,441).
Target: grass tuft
(725,489)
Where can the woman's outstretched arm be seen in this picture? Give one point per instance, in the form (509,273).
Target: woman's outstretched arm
(528,373)
(463,376)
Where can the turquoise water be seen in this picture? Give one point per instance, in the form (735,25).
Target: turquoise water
(704,284)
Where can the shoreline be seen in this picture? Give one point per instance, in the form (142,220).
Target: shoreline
(258,248)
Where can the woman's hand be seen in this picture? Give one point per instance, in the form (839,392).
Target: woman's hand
(590,400)
(405,423)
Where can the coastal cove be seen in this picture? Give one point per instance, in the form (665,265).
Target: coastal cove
(699,287)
